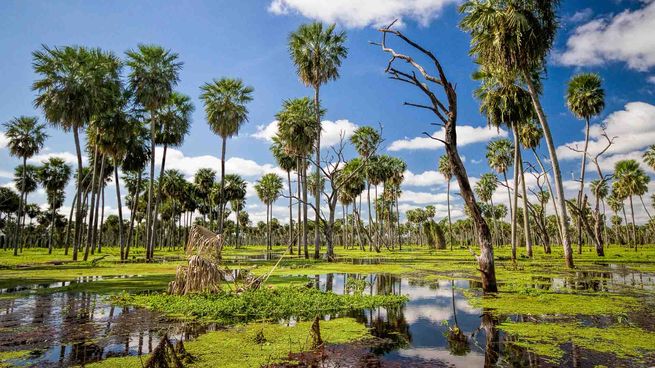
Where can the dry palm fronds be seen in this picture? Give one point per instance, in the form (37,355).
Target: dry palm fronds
(203,241)
(200,276)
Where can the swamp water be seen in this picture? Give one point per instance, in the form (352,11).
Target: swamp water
(437,327)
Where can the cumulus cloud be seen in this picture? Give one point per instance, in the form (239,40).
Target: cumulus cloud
(625,37)
(651,79)
(188,165)
(422,197)
(466,134)
(330,136)
(69,157)
(3,140)
(633,129)
(362,13)
(581,15)
(424,179)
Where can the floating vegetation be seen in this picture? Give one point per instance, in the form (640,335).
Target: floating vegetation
(262,304)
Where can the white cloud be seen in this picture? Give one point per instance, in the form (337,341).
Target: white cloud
(188,165)
(625,37)
(580,16)
(3,140)
(68,157)
(6,174)
(330,136)
(424,179)
(633,127)
(466,134)
(362,13)
(651,79)
(422,197)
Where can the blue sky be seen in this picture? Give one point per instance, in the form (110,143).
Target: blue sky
(248,39)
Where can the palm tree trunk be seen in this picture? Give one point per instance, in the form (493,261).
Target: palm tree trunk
(21,205)
(494,235)
(568,253)
(583,166)
(317,196)
(70,220)
(94,221)
(89,230)
(78,212)
(370,217)
(634,225)
(515,196)
(526,213)
(120,211)
(220,197)
(135,200)
(149,250)
(298,191)
(52,228)
(304,214)
(153,221)
(102,221)
(450,223)
(290,247)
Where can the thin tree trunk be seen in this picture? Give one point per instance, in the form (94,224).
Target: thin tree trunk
(368,201)
(552,195)
(634,225)
(89,230)
(120,211)
(94,221)
(515,196)
(220,197)
(317,195)
(583,166)
(450,224)
(21,206)
(557,174)
(304,199)
(526,213)
(298,191)
(149,250)
(102,221)
(135,199)
(78,213)
(153,220)
(290,247)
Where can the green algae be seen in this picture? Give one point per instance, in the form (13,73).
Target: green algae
(218,349)
(545,339)
(268,304)
(7,356)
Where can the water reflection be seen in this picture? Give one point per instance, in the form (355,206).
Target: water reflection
(65,329)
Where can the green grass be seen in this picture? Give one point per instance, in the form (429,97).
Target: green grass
(237,347)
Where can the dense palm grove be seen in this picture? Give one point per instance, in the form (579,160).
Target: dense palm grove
(130,114)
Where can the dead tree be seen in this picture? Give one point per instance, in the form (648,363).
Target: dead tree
(446,112)
(596,234)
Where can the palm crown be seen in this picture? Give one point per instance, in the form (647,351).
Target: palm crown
(154,71)
(584,95)
(317,53)
(26,136)
(225,105)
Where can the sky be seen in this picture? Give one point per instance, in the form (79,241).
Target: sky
(248,40)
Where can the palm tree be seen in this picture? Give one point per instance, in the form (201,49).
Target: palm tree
(317,53)
(366,141)
(649,156)
(447,171)
(514,38)
(54,176)
(630,180)
(287,163)
(298,129)
(268,189)
(134,163)
(74,85)
(25,177)
(506,103)
(225,106)
(585,98)
(25,139)
(499,157)
(174,120)
(485,188)
(154,71)
(235,193)
(204,181)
